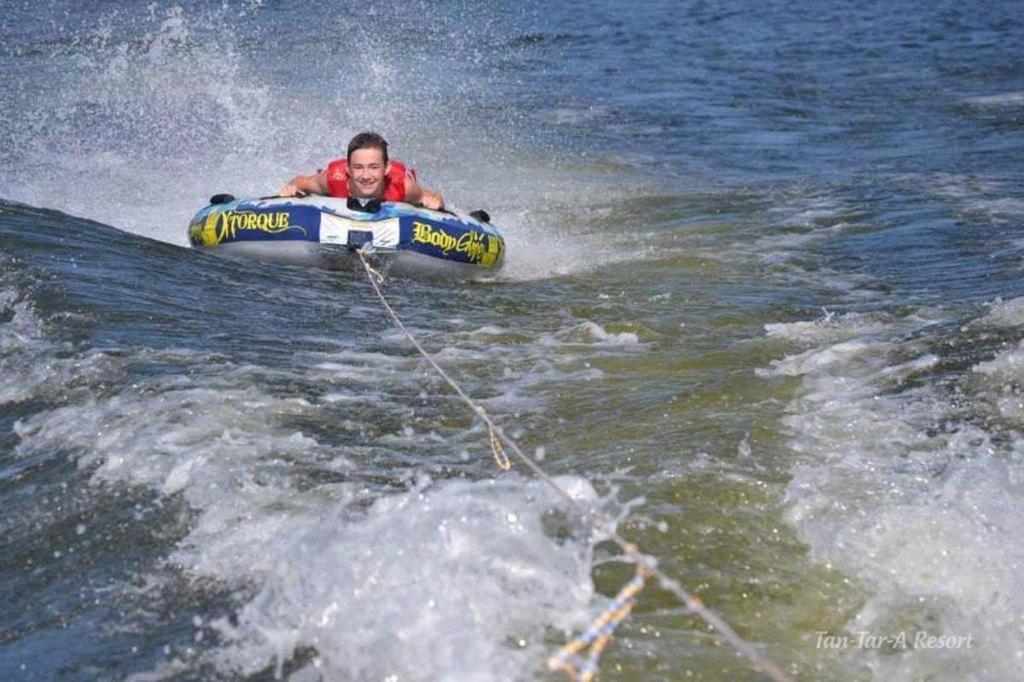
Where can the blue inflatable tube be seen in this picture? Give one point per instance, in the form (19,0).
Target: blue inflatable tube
(296,230)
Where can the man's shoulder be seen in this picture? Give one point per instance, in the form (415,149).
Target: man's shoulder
(400,168)
(336,170)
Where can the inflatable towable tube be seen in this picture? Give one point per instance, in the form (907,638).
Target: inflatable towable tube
(294,229)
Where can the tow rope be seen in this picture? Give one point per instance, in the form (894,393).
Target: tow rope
(595,638)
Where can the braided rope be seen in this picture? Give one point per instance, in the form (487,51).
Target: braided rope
(598,521)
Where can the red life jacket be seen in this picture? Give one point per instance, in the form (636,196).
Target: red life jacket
(394,181)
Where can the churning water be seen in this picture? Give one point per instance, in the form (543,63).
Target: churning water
(763,305)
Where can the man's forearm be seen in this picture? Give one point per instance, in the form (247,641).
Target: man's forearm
(415,193)
(306,184)
(310,184)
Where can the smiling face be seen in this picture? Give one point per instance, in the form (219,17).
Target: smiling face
(367,170)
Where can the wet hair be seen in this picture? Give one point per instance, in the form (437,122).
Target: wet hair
(368,141)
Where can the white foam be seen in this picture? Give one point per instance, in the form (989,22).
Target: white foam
(829,327)
(1006,366)
(1005,373)
(1004,207)
(977,195)
(922,515)
(427,585)
(588,332)
(1005,313)
(458,579)
(1004,99)
(818,359)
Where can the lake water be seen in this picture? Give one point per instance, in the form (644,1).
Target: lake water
(763,305)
